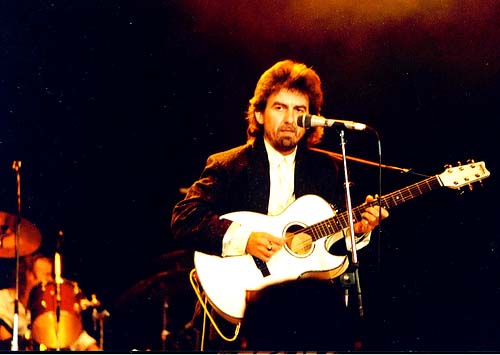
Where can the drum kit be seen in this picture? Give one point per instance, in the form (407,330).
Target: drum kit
(55,306)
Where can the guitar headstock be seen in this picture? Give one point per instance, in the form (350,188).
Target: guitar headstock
(464,175)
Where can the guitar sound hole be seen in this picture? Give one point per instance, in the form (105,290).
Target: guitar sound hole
(298,243)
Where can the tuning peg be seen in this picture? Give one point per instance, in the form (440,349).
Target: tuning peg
(447,166)
(470,161)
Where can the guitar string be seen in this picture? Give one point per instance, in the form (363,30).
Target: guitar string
(388,201)
(340,221)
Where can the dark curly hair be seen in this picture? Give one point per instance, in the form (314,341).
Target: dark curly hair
(292,75)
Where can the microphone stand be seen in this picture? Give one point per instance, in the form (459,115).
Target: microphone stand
(347,278)
(16,165)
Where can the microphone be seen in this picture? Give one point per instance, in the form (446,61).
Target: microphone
(307,121)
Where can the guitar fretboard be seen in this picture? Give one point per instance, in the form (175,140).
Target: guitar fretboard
(341,220)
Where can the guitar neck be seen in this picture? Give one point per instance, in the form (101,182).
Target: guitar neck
(341,220)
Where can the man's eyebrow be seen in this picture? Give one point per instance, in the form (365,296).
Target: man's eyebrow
(279,103)
(283,104)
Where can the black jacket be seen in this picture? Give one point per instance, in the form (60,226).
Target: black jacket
(238,180)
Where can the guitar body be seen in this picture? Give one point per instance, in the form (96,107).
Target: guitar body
(228,279)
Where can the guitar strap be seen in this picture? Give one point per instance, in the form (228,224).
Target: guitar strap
(262,266)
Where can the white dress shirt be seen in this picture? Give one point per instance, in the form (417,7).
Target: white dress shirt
(281,173)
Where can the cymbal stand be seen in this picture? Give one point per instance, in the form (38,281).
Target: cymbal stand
(59,281)
(164,331)
(100,316)
(16,165)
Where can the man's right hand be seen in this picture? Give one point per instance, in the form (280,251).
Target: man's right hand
(263,245)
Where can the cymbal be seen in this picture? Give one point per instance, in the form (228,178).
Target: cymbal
(29,236)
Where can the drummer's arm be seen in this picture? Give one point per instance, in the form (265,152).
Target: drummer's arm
(5,333)
(85,342)
(6,316)
(93,347)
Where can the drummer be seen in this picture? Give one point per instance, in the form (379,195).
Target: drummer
(33,269)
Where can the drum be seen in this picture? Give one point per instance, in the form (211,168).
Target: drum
(49,329)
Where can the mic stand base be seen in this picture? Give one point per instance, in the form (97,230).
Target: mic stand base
(350,280)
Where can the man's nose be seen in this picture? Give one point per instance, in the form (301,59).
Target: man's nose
(290,116)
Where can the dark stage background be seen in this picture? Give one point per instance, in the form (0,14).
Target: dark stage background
(113,106)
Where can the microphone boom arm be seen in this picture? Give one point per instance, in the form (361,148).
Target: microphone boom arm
(338,156)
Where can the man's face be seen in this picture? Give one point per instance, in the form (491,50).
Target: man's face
(42,272)
(280,119)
